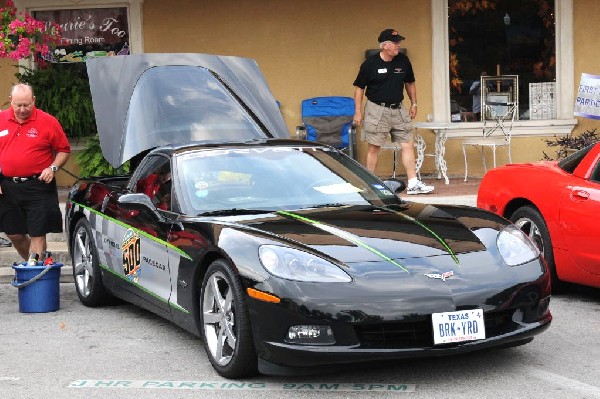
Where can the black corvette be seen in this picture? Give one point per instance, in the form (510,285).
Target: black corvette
(282,255)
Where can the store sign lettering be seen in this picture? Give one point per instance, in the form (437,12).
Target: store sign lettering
(93,32)
(587,103)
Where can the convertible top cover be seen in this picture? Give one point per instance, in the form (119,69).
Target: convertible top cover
(145,100)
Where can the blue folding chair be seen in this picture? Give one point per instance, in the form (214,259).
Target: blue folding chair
(328,120)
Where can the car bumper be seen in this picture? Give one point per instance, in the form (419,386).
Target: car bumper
(283,358)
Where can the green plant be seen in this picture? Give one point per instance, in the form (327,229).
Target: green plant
(569,144)
(92,163)
(63,90)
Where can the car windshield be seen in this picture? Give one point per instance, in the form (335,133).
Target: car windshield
(570,163)
(274,178)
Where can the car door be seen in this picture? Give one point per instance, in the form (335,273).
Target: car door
(142,239)
(580,205)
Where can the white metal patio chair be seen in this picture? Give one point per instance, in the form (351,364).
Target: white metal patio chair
(420,153)
(498,123)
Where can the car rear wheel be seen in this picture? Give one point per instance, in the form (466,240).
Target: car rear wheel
(86,270)
(531,222)
(225,322)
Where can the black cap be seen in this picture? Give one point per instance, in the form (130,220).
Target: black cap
(390,35)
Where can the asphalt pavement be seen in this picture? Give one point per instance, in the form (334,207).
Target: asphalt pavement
(122,351)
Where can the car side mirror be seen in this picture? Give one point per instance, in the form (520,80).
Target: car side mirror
(395,185)
(140,202)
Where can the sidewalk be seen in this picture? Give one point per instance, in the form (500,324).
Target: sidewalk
(457,192)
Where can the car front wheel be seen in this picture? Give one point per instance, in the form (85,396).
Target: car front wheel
(531,222)
(226,326)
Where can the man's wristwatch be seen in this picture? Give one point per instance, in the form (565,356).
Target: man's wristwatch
(53,168)
(413,105)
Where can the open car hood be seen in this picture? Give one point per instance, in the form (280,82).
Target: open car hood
(142,101)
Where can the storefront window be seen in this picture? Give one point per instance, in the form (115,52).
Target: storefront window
(503,37)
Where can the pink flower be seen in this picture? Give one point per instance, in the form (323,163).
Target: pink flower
(22,36)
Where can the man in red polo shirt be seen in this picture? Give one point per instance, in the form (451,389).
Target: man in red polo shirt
(33,146)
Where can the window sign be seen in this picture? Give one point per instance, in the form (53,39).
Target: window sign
(587,103)
(88,32)
(542,100)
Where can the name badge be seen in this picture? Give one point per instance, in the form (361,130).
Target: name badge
(4,132)
(382,70)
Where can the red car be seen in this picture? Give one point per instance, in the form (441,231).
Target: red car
(557,205)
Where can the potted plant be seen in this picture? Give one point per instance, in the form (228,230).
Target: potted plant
(569,144)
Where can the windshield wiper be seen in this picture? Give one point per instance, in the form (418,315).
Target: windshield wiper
(234,211)
(395,207)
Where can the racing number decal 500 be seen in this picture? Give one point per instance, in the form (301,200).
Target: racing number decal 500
(131,255)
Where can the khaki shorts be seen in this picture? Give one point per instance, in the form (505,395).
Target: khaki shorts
(381,123)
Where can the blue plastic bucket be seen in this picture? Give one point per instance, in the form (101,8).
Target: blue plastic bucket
(39,287)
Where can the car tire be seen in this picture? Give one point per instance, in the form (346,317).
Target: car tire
(86,269)
(226,329)
(531,222)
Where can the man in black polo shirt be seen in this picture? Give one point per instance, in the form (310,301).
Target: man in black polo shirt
(384,76)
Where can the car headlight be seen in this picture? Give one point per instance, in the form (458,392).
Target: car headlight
(293,264)
(515,247)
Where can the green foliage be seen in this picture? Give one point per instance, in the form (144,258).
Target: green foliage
(63,90)
(570,144)
(92,163)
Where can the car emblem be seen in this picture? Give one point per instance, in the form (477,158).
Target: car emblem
(442,276)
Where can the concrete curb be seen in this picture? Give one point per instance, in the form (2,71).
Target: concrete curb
(7,274)
(60,254)
(470,200)
(57,244)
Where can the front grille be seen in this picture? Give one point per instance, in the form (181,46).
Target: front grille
(419,334)
(395,335)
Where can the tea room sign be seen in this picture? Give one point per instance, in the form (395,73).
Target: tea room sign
(89,32)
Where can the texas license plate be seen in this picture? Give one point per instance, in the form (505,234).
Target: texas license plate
(463,325)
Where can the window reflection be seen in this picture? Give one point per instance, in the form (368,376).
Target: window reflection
(503,37)
(175,104)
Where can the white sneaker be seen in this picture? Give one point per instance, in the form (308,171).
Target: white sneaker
(419,188)
(5,242)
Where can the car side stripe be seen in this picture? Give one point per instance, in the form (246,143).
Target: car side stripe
(141,232)
(345,235)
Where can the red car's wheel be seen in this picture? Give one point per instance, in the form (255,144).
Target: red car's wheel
(531,222)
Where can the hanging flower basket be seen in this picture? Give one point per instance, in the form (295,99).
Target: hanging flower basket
(22,36)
